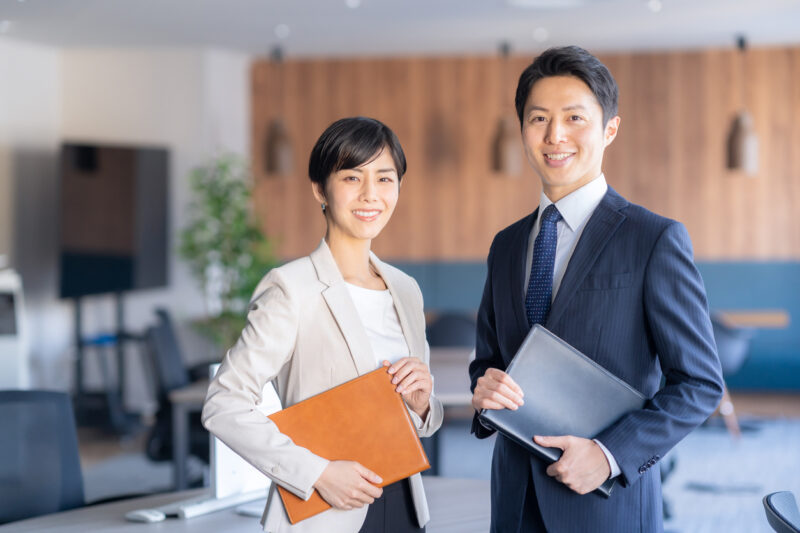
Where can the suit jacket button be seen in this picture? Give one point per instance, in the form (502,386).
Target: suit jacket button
(642,470)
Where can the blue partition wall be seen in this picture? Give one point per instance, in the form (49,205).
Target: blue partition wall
(774,359)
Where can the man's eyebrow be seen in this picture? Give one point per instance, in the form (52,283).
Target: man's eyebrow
(567,108)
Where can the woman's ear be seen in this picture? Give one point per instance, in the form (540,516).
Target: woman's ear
(318,191)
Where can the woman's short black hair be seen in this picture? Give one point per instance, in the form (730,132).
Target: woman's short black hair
(570,61)
(351,142)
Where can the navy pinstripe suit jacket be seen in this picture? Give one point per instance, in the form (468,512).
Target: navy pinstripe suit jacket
(631,299)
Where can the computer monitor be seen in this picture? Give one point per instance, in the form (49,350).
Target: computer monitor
(230,474)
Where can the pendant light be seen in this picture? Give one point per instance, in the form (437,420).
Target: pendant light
(278,146)
(506,151)
(742,149)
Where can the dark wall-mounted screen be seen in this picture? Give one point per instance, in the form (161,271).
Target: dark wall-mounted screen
(113,218)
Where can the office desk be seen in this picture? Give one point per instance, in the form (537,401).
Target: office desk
(184,401)
(456,505)
(451,384)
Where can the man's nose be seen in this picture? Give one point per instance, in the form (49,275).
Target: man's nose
(555,132)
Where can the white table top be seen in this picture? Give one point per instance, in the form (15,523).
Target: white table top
(456,505)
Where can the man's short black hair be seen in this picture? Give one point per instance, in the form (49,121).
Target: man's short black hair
(351,142)
(570,61)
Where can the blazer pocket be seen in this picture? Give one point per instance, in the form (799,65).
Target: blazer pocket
(600,282)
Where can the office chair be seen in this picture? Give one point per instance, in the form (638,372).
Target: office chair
(782,512)
(733,345)
(172,373)
(40,467)
(452,329)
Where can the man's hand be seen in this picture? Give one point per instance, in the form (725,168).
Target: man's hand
(348,485)
(583,466)
(496,390)
(414,383)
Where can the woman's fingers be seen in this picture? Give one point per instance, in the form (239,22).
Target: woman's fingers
(417,377)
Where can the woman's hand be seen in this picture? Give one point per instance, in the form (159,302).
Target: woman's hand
(414,383)
(348,485)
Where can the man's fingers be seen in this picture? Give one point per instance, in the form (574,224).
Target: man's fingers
(508,392)
(552,442)
(503,400)
(503,378)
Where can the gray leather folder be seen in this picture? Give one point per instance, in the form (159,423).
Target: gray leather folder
(566,393)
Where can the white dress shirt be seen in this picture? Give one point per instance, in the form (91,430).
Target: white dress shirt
(576,208)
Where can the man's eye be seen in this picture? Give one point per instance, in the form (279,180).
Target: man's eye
(386,179)
(576,117)
(537,119)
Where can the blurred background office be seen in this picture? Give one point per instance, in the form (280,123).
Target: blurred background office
(126,134)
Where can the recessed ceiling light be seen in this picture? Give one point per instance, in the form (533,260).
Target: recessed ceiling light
(546,4)
(281,31)
(540,34)
(654,5)
(352,4)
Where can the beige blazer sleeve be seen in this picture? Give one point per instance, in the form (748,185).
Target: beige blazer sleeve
(265,346)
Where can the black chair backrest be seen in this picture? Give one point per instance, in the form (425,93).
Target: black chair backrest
(452,329)
(40,468)
(782,512)
(166,352)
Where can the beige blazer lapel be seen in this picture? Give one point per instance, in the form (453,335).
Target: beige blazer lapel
(403,303)
(342,308)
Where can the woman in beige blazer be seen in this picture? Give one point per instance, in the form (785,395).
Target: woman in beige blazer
(324,319)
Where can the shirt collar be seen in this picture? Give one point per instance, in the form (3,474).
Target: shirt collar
(578,205)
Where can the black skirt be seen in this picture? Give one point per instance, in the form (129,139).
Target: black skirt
(393,512)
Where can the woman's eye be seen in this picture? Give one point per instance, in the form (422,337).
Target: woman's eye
(351,178)
(386,179)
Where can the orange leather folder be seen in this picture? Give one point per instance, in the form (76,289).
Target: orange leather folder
(362,420)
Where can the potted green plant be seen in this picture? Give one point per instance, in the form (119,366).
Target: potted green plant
(223,245)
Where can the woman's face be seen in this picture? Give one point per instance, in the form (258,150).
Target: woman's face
(359,201)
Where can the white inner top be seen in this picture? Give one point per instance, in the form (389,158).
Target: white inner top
(379,317)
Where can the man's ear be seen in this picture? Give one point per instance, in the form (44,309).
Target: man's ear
(611,130)
(319,193)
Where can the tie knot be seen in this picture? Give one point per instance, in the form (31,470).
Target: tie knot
(551,214)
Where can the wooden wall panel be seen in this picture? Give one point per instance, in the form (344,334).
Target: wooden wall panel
(669,156)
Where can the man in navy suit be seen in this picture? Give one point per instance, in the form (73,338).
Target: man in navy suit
(612,279)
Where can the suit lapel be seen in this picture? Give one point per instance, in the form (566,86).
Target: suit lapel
(605,220)
(403,306)
(343,309)
(518,257)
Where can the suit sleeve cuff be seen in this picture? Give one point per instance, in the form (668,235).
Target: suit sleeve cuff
(615,470)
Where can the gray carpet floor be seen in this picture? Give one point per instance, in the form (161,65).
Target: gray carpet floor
(716,486)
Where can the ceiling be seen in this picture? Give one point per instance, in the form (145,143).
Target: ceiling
(391,27)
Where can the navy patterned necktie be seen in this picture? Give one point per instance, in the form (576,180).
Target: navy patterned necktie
(540,286)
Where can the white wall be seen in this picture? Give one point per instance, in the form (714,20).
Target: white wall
(30,123)
(195,102)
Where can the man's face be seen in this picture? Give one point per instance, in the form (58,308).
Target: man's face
(564,134)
